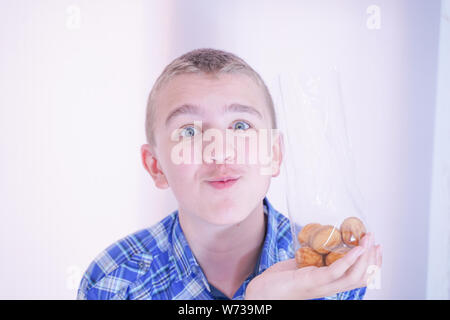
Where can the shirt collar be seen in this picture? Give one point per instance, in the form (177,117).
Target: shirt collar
(185,262)
(269,253)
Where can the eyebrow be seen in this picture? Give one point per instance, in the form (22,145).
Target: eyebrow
(236,107)
(184,109)
(195,110)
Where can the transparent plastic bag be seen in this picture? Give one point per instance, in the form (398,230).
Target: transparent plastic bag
(323,199)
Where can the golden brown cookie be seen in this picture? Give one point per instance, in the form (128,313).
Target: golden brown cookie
(336,254)
(325,239)
(352,230)
(306,256)
(305,234)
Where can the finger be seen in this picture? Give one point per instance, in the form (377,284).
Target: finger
(356,276)
(370,257)
(379,256)
(366,241)
(352,278)
(373,259)
(378,259)
(360,276)
(339,267)
(365,272)
(326,277)
(358,273)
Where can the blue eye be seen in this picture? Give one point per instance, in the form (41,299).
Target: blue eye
(188,131)
(241,125)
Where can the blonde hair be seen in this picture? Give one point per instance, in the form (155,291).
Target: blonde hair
(209,61)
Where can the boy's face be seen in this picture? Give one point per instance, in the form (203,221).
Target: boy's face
(209,98)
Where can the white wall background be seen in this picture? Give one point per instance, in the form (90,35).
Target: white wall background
(438,277)
(74,80)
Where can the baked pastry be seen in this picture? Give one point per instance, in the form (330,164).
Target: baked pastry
(305,233)
(352,230)
(325,239)
(336,254)
(305,256)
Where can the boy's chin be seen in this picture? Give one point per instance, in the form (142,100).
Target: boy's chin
(228,214)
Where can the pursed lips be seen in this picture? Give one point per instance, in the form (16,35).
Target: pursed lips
(223,182)
(223,178)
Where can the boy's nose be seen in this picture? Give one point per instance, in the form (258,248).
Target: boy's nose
(223,155)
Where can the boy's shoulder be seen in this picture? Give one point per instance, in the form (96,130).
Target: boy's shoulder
(125,260)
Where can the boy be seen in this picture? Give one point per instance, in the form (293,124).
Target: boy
(225,241)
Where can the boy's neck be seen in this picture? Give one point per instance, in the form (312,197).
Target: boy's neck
(227,254)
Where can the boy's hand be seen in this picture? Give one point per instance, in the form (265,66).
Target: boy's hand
(284,280)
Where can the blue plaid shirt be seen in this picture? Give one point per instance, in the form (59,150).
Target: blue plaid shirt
(157,263)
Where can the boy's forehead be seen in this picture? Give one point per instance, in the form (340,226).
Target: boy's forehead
(209,91)
(205,85)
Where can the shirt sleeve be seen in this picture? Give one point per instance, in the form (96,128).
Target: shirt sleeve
(87,289)
(355,294)
(105,276)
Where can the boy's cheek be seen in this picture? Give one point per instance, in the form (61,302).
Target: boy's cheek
(182,174)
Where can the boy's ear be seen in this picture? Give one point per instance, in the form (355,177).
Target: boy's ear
(277,152)
(151,164)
